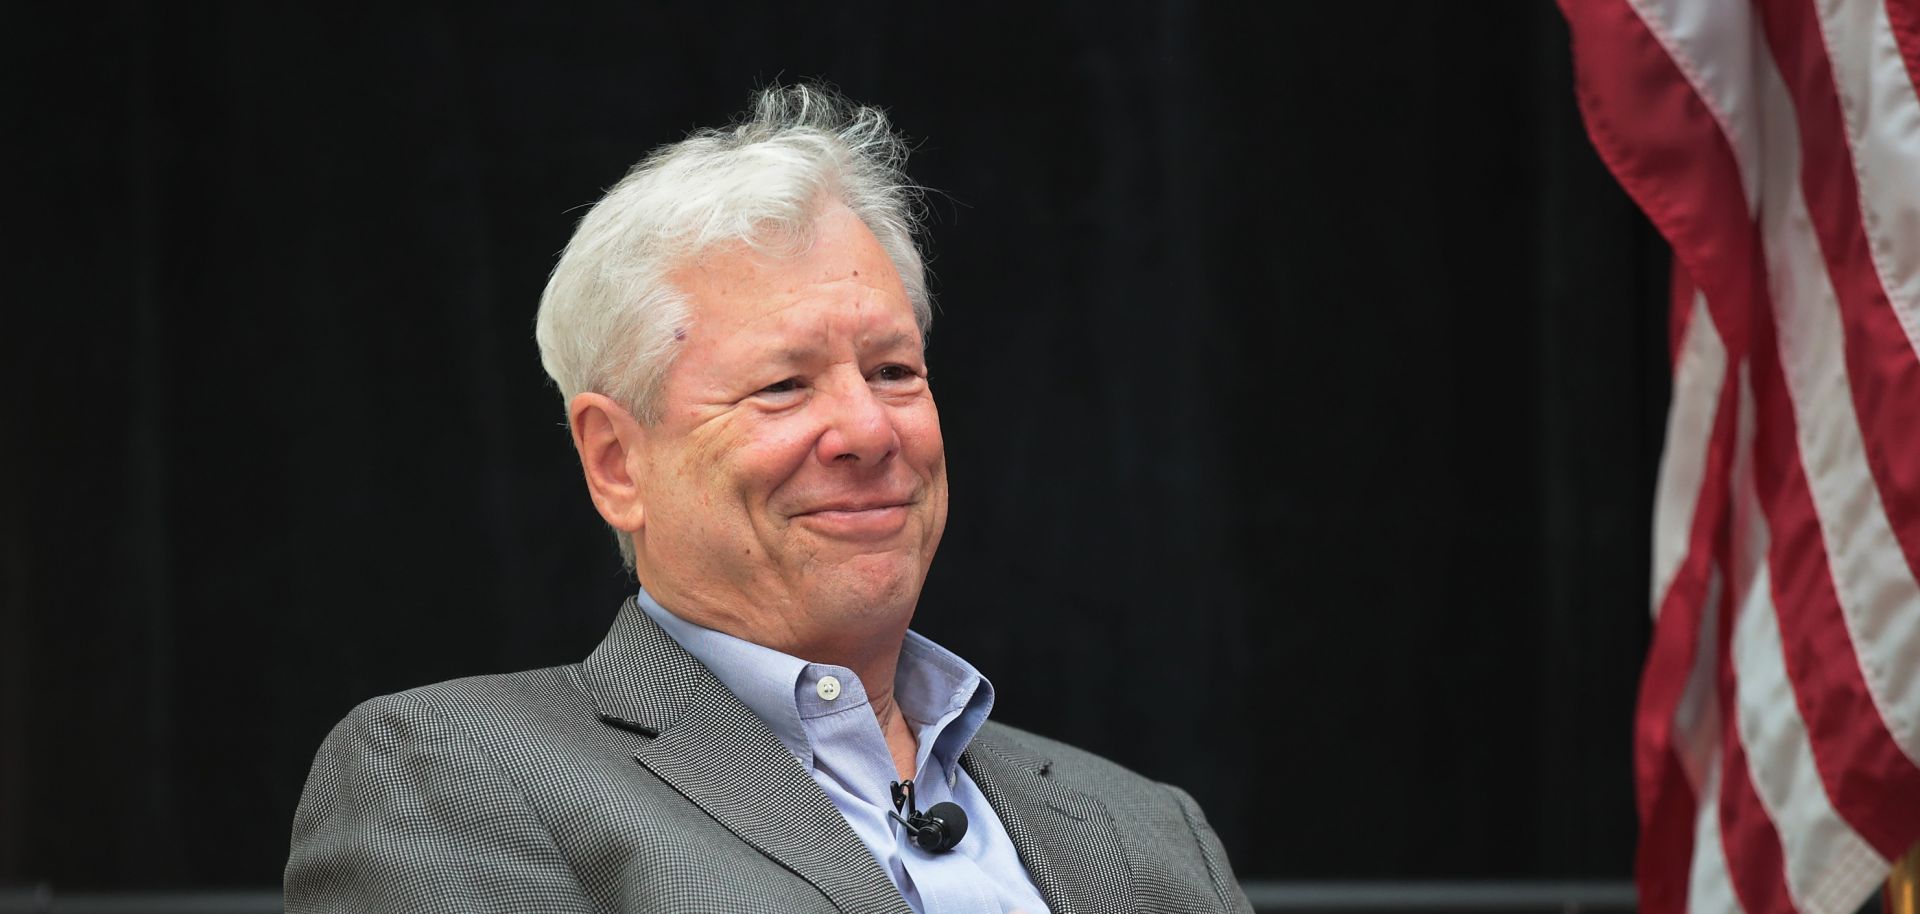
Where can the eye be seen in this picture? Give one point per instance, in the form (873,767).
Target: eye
(781,387)
(893,373)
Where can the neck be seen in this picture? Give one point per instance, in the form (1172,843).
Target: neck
(873,654)
(876,673)
(901,742)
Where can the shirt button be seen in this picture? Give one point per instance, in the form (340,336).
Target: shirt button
(828,688)
(953,778)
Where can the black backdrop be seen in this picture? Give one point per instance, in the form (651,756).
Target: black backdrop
(1302,374)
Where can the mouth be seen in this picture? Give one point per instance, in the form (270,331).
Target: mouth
(857,520)
(855,506)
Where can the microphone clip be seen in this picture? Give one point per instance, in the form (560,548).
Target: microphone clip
(937,830)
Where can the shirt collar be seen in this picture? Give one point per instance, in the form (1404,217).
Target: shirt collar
(942,696)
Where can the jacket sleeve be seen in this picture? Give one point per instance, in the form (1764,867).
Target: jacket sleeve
(1232,898)
(405,813)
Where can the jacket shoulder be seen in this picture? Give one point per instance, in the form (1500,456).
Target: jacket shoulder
(470,694)
(482,710)
(1064,760)
(412,804)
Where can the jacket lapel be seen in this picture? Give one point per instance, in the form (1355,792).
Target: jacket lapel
(708,746)
(1066,839)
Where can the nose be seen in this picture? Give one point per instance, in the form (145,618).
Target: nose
(858,428)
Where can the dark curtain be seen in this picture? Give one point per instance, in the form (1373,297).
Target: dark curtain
(1302,373)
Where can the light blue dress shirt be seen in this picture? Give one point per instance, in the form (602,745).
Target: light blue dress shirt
(831,729)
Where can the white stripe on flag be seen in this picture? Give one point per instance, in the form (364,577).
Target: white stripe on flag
(1696,717)
(1883,129)
(1696,395)
(1709,887)
(1829,866)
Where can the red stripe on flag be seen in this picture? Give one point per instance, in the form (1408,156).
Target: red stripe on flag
(1660,862)
(1882,370)
(1667,150)
(1755,861)
(1904,18)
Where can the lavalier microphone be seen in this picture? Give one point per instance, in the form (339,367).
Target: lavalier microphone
(937,830)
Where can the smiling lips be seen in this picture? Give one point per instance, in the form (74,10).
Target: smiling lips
(865,520)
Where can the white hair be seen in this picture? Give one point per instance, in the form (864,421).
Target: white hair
(610,321)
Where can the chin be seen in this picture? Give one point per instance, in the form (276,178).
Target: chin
(883,584)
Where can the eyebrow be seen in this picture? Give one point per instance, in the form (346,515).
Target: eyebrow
(794,354)
(894,340)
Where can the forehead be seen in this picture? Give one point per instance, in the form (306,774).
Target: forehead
(842,280)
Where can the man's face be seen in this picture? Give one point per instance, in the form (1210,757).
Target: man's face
(794,488)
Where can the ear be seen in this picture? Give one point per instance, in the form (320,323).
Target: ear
(611,444)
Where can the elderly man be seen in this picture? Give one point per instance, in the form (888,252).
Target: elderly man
(737,329)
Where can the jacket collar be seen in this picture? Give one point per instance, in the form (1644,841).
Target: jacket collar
(708,746)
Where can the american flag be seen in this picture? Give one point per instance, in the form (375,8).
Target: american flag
(1776,146)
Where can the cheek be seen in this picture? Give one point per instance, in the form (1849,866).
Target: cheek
(919,430)
(926,453)
(750,462)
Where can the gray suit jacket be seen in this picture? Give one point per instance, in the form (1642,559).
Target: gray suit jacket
(635,781)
